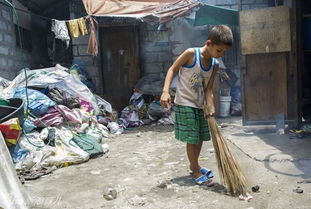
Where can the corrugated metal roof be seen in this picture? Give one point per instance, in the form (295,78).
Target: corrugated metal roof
(149,10)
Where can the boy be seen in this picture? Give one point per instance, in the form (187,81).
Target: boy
(195,66)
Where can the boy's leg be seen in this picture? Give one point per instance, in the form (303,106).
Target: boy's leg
(193,152)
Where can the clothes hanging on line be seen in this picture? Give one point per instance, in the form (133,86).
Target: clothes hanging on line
(60,30)
(77,27)
(82,26)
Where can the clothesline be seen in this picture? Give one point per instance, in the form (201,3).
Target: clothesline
(34,14)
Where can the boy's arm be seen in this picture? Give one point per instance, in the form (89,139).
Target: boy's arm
(181,60)
(209,107)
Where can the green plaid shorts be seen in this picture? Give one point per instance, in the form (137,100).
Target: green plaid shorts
(190,125)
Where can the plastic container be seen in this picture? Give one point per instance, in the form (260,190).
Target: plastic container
(15,109)
(224,106)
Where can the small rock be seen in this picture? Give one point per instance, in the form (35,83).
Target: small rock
(214,201)
(162,185)
(109,193)
(95,172)
(255,188)
(298,190)
(137,201)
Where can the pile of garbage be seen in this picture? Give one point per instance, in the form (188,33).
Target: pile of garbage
(63,122)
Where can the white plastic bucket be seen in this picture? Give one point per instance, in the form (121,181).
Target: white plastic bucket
(224,106)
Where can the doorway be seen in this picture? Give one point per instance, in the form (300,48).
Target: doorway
(120,63)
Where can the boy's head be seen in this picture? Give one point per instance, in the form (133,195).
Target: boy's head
(220,39)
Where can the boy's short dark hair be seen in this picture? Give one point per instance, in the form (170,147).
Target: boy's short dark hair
(221,35)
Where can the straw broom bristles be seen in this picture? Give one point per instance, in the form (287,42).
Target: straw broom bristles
(231,175)
(230,172)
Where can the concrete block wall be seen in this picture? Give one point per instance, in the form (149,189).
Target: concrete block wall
(12,58)
(79,47)
(155,50)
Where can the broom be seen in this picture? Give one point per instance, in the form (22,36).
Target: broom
(231,175)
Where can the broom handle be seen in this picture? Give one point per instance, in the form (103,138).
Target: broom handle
(208,92)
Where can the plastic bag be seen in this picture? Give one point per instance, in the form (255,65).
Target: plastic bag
(38,102)
(137,100)
(57,76)
(28,126)
(64,98)
(236,106)
(115,128)
(103,105)
(11,130)
(88,144)
(155,110)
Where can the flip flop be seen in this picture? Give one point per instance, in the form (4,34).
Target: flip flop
(203,180)
(208,173)
(204,171)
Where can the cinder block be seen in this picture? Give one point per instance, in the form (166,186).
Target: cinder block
(7,15)
(81,40)
(248,1)
(151,57)
(164,57)
(82,50)
(3,25)
(75,51)
(4,50)
(153,68)
(9,38)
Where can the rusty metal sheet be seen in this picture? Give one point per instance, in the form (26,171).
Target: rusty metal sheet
(265,30)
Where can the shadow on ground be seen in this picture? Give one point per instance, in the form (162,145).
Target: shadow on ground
(263,144)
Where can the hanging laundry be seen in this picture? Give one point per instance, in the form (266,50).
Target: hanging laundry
(82,26)
(92,47)
(60,30)
(73,27)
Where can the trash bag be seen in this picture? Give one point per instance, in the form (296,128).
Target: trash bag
(115,128)
(57,76)
(88,144)
(11,131)
(155,110)
(103,105)
(71,115)
(28,126)
(52,118)
(137,100)
(38,103)
(63,98)
(236,106)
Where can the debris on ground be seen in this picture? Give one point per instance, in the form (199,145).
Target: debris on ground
(109,193)
(255,188)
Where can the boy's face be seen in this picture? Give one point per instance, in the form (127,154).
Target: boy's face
(215,50)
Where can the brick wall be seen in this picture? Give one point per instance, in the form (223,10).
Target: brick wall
(155,49)
(79,46)
(12,58)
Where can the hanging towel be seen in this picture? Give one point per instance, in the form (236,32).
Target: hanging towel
(60,30)
(92,45)
(82,26)
(73,27)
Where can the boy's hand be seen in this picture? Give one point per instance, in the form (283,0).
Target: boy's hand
(209,111)
(209,107)
(165,99)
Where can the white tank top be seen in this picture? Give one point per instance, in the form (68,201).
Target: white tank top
(190,91)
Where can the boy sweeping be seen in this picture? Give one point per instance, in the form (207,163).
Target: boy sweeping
(195,66)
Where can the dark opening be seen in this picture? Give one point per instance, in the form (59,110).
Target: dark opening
(25,41)
(306,59)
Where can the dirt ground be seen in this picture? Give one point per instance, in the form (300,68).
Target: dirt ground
(147,168)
